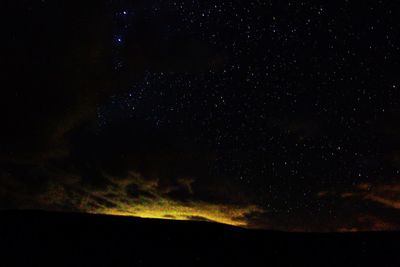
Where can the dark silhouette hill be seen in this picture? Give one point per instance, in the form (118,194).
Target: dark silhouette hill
(38,238)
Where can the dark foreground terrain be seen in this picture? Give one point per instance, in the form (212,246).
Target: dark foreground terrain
(31,238)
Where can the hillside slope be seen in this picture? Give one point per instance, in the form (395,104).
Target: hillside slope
(29,237)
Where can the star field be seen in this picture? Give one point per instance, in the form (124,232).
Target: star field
(292,106)
(295,105)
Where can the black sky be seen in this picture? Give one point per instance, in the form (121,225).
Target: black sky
(272,114)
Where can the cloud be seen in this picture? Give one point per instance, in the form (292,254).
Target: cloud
(369,207)
(366,222)
(131,171)
(387,195)
(384,200)
(347,194)
(323,193)
(152,201)
(128,168)
(147,201)
(54,157)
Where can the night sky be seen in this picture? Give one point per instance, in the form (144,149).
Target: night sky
(264,114)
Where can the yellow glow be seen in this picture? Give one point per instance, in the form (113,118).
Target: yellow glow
(165,209)
(114,200)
